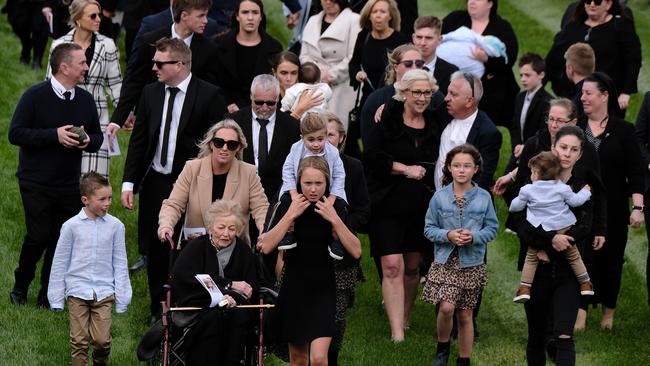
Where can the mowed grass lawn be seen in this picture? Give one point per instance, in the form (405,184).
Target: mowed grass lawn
(29,336)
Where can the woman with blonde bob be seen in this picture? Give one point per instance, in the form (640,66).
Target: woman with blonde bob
(217,173)
(401,155)
(217,337)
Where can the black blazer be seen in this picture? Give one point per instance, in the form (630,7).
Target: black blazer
(356,189)
(499,84)
(643,136)
(442,72)
(487,139)
(285,133)
(237,87)
(203,106)
(535,116)
(139,73)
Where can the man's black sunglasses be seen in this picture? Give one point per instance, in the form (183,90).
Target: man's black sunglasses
(160,64)
(269,103)
(232,145)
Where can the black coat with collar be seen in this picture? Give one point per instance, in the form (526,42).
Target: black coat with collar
(499,84)
(203,107)
(237,87)
(200,257)
(442,72)
(535,116)
(138,70)
(487,139)
(285,133)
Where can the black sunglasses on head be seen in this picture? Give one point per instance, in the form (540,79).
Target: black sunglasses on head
(232,145)
(596,2)
(160,64)
(470,79)
(269,103)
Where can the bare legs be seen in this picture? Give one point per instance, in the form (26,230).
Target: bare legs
(314,354)
(465,327)
(399,288)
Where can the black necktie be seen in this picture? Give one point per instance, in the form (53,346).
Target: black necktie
(263,144)
(67,95)
(168,122)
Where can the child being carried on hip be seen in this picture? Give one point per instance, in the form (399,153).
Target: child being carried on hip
(547,201)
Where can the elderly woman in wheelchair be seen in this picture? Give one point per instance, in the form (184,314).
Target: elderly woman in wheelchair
(217,336)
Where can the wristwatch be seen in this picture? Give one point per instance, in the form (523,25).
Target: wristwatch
(640,208)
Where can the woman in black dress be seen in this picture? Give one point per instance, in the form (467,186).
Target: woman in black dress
(622,171)
(613,38)
(307,300)
(499,84)
(400,159)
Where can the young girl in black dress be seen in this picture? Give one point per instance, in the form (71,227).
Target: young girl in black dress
(306,304)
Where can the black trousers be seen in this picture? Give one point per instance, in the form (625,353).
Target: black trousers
(45,211)
(608,265)
(156,187)
(30,26)
(646,198)
(551,312)
(218,337)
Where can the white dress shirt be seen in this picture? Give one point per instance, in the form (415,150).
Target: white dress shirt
(187,40)
(173,131)
(431,66)
(454,134)
(524,109)
(59,89)
(256,135)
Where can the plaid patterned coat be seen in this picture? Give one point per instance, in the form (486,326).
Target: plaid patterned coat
(104,77)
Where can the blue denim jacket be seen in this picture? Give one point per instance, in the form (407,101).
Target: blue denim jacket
(479,217)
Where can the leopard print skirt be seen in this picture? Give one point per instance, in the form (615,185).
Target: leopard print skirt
(460,287)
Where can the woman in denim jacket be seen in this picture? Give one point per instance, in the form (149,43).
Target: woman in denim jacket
(461,220)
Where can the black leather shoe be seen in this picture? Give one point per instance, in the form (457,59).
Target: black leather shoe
(139,264)
(43,303)
(18,297)
(441,358)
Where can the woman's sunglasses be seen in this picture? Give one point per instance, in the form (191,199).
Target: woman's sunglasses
(410,63)
(232,145)
(596,2)
(95,16)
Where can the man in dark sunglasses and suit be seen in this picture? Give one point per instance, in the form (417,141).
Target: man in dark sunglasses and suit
(173,114)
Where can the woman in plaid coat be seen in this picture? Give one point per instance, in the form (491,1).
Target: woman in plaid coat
(103,75)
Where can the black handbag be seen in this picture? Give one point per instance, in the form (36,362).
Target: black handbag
(355,114)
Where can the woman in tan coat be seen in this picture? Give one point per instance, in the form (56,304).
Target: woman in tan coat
(217,173)
(331,49)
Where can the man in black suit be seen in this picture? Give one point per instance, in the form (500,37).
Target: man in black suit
(165,18)
(282,131)
(190,19)
(174,113)
(469,125)
(134,11)
(427,37)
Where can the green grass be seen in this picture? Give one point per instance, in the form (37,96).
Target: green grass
(34,337)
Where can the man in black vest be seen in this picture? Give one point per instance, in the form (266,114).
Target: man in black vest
(49,164)
(174,113)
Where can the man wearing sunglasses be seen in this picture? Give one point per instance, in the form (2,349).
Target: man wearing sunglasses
(264,126)
(190,20)
(426,37)
(173,114)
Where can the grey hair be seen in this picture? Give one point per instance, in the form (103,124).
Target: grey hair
(411,77)
(466,76)
(224,208)
(204,145)
(266,82)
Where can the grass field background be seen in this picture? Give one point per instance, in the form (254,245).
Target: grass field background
(29,336)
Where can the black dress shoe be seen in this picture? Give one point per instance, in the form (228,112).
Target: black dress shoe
(139,264)
(24,60)
(441,358)
(18,297)
(43,303)
(36,65)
